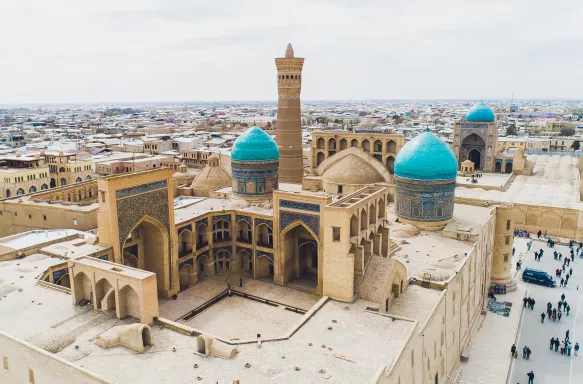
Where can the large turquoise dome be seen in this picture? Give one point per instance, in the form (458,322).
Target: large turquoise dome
(426,157)
(254,145)
(480,112)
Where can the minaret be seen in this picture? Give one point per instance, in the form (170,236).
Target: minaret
(289,126)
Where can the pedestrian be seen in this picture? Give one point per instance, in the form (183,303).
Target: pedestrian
(563,267)
(557,344)
(562,282)
(563,347)
(571,272)
(524,352)
(240,281)
(576,348)
(542,317)
(568,309)
(535,256)
(569,349)
(518,265)
(532,304)
(530,377)
(528,352)
(564,305)
(568,261)
(513,251)
(539,233)
(512,350)
(549,314)
(559,315)
(563,297)
(524,300)
(567,335)
(552,344)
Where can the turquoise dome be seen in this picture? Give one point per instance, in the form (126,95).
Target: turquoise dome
(254,145)
(426,157)
(480,112)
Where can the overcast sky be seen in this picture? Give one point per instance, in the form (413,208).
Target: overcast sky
(192,50)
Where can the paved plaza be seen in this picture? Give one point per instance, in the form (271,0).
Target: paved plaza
(548,366)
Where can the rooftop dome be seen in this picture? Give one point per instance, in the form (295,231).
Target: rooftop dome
(254,145)
(426,157)
(352,170)
(212,177)
(480,112)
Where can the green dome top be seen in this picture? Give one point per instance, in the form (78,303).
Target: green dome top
(480,112)
(254,145)
(426,157)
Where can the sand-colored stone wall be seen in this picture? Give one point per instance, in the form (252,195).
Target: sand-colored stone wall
(24,363)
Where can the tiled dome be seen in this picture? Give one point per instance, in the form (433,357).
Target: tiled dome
(480,112)
(426,157)
(254,145)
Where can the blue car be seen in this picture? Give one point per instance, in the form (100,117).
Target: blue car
(536,276)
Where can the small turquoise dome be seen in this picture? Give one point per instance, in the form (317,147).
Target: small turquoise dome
(480,112)
(426,157)
(254,145)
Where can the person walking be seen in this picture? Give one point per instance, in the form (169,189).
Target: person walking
(563,297)
(569,347)
(524,300)
(552,343)
(576,349)
(557,344)
(549,314)
(564,305)
(513,251)
(532,303)
(562,282)
(559,315)
(567,335)
(524,352)
(539,233)
(518,265)
(542,317)
(512,350)
(530,377)
(571,272)
(528,352)
(568,309)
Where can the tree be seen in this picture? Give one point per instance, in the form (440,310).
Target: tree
(576,145)
(511,130)
(567,131)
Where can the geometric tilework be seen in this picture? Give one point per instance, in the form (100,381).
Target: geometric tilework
(245,218)
(58,274)
(424,201)
(259,221)
(120,193)
(311,221)
(204,221)
(181,229)
(221,217)
(299,205)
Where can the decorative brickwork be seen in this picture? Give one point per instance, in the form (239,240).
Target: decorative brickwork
(424,200)
(299,205)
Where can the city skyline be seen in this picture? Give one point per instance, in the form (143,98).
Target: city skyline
(64,52)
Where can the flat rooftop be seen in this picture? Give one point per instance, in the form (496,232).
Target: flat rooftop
(554,183)
(431,252)
(48,319)
(30,238)
(496,180)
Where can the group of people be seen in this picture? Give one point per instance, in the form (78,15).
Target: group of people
(538,255)
(525,352)
(529,302)
(556,313)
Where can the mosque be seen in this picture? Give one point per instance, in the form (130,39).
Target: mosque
(399,273)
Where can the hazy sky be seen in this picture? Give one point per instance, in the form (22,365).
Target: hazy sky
(191,50)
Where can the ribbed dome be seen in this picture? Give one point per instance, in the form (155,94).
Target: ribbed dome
(426,157)
(480,112)
(254,145)
(352,170)
(212,177)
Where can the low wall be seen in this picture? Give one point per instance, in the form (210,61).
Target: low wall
(24,363)
(13,254)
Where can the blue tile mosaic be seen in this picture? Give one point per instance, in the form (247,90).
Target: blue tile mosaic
(299,205)
(287,218)
(204,221)
(259,221)
(187,226)
(221,217)
(57,275)
(121,193)
(248,219)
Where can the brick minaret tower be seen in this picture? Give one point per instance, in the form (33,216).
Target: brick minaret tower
(289,126)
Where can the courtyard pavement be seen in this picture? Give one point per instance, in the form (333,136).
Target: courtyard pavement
(548,366)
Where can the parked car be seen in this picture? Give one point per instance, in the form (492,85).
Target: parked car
(537,276)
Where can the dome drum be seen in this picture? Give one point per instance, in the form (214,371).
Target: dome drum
(427,204)
(254,180)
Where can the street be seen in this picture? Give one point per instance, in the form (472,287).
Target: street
(548,366)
